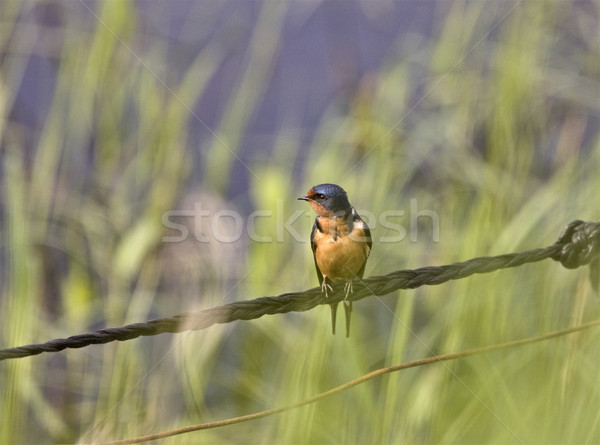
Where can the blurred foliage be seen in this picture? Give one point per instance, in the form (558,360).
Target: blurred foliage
(491,122)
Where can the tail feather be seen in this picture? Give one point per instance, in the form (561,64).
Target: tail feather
(333,316)
(348,313)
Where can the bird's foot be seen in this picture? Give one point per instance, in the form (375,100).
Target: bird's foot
(348,289)
(324,287)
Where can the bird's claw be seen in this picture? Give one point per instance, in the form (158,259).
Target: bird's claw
(324,287)
(348,289)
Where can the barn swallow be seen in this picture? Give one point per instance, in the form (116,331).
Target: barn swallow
(340,241)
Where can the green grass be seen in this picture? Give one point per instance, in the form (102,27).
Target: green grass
(498,136)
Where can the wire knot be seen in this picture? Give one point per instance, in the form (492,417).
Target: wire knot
(580,245)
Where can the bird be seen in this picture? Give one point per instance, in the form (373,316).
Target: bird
(340,241)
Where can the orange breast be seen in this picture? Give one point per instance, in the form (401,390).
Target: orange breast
(340,259)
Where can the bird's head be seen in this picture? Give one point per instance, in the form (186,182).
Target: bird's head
(327,200)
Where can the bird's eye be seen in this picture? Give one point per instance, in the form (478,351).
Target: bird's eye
(319,196)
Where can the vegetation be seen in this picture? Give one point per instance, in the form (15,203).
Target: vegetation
(490,123)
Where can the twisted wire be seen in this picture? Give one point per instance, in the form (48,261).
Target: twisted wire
(578,245)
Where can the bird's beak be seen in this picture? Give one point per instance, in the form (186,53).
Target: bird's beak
(303,198)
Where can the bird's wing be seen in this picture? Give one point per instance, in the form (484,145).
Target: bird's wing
(367,233)
(313,245)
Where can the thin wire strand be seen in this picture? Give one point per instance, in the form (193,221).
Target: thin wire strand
(371,375)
